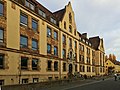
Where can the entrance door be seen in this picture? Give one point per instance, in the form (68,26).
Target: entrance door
(70,68)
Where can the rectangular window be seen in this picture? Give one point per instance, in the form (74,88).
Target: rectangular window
(55,51)
(49,68)
(34,25)
(34,64)
(70,29)
(49,49)
(76,68)
(64,53)
(55,66)
(53,20)
(23,19)
(70,42)
(24,81)
(64,39)
(35,80)
(24,62)
(1,9)
(1,35)
(29,5)
(23,41)
(34,44)
(42,13)
(75,45)
(1,82)
(64,66)
(55,35)
(1,61)
(49,33)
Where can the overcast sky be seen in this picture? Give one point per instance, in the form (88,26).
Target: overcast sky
(95,17)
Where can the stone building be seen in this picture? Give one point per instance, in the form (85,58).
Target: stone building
(38,45)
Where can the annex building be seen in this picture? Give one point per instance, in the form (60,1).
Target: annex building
(38,45)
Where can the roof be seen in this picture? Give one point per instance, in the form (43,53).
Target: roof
(60,14)
(95,42)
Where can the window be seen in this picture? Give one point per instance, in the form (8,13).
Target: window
(1,35)
(64,53)
(24,62)
(75,32)
(53,20)
(1,9)
(35,80)
(1,61)
(76,68)
(70,29)
(82,68)
(49,65)
(70,42)
(82,48)
(88,60)
(30,5)
(49,48)
(88,51)
(34,25)
(24,81)
(55,66)
(23,19)
(64,25)
(64,39)
(34,44)
(70,18)
(75,45)
(55,35)
(64,66)
(1,82)
(55,51)
(49,34)
(81,58)
(42,13)
(23,41)
(34,64)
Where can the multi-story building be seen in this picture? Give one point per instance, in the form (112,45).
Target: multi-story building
(38,45)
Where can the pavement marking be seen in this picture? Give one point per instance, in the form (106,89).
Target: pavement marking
(84,84)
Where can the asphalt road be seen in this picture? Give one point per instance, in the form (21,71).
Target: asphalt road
(109,84)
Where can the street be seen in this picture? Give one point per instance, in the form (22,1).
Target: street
(108,84)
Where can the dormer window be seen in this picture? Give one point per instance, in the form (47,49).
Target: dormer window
(53,20)
(90,44)
(86,42)
(42,13)
(29,5)
(83,40)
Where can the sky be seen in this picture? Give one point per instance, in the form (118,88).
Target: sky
(96,18)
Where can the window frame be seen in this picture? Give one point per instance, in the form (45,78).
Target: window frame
(36,46)
(42,13)
(25,45)
(64,39)
(2,39)
(49,51)
(49,65)
(35,22)
(2,64)
(64,54)
(49,32)
(55,50)
(24,67)
(55,35)
(30,5)
(55,66)
(2,13)
(35,67)
(25,18)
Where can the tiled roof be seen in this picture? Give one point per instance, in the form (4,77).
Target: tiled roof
(59,14)
(95,42)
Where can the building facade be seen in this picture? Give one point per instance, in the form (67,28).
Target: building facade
(38,45)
